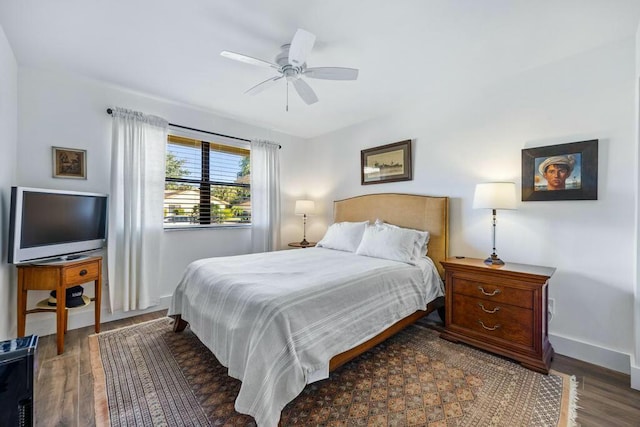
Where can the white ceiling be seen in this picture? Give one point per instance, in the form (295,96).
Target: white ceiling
(405,49)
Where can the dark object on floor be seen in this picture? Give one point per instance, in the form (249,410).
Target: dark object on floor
(17,365)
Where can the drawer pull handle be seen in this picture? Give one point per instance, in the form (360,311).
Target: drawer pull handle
(488,311)
(83,272)
(496,292)
(488,328)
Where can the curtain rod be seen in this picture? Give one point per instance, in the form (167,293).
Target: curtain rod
(109,111)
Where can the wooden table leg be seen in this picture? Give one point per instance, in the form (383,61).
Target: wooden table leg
(98,292)
(61,304)
(22,304)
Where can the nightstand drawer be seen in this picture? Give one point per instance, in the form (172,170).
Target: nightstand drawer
(493,319)
(495,292)
(81,273)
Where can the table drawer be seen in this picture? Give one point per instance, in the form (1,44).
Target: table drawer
(493,319)
(494,292)
(81,273)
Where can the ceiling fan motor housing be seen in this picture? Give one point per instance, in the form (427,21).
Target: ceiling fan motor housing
(289,71)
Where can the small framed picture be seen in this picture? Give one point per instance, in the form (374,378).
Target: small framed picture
(386,163)
(561,172)
(69,163)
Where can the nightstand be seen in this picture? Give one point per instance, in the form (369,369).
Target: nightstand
(502,310)
(300,245)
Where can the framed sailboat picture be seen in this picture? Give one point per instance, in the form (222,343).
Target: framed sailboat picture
(386,163)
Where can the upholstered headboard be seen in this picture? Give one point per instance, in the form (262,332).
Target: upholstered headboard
(405,210)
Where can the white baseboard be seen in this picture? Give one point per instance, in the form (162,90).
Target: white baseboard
(42,324)
(591,353)
(635,374)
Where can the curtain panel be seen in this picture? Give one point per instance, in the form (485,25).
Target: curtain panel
(265,196)
(135,208)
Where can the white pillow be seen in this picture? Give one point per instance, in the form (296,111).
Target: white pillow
(343,236)
(421,238)
(392,243)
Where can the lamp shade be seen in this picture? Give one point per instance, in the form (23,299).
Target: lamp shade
(305,207)
(495,195)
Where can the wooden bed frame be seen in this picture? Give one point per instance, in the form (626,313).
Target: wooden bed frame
(425,213)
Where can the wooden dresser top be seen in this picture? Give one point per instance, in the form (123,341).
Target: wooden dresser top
(509,267)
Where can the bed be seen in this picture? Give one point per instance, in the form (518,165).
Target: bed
(294,316)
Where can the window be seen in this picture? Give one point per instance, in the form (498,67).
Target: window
(206,183)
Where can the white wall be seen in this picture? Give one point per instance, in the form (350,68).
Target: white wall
(635,361)
(463,141)
(8,142)
(70,111)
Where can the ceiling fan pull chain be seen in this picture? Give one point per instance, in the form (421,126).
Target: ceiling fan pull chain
(287,109)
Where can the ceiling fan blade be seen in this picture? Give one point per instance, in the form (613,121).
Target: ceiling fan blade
(263,85)
(332,73)
(304,90)
(248,59)
(301,45)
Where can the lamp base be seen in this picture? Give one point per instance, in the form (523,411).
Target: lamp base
(493,260)
(305,243)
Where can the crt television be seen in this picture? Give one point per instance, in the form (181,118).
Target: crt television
(53,223)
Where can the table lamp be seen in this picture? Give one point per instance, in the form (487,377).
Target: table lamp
(495,195)
(304,207)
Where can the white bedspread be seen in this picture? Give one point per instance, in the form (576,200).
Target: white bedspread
(276,319)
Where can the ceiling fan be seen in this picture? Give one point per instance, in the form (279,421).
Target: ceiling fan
(291,65)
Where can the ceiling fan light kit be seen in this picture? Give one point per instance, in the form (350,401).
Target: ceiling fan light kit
(291,65)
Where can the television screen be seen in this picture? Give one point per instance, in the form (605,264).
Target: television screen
(51,223)
(61,218)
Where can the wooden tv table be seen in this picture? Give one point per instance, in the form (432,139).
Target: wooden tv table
(58,276)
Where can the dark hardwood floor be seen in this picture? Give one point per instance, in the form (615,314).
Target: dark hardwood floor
(64,387)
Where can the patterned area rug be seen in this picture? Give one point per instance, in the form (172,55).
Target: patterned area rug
(148,375)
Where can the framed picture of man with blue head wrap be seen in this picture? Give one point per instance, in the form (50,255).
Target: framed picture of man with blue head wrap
(561,172)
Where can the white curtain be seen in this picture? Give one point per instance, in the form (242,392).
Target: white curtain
(135,208)
(265,196)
